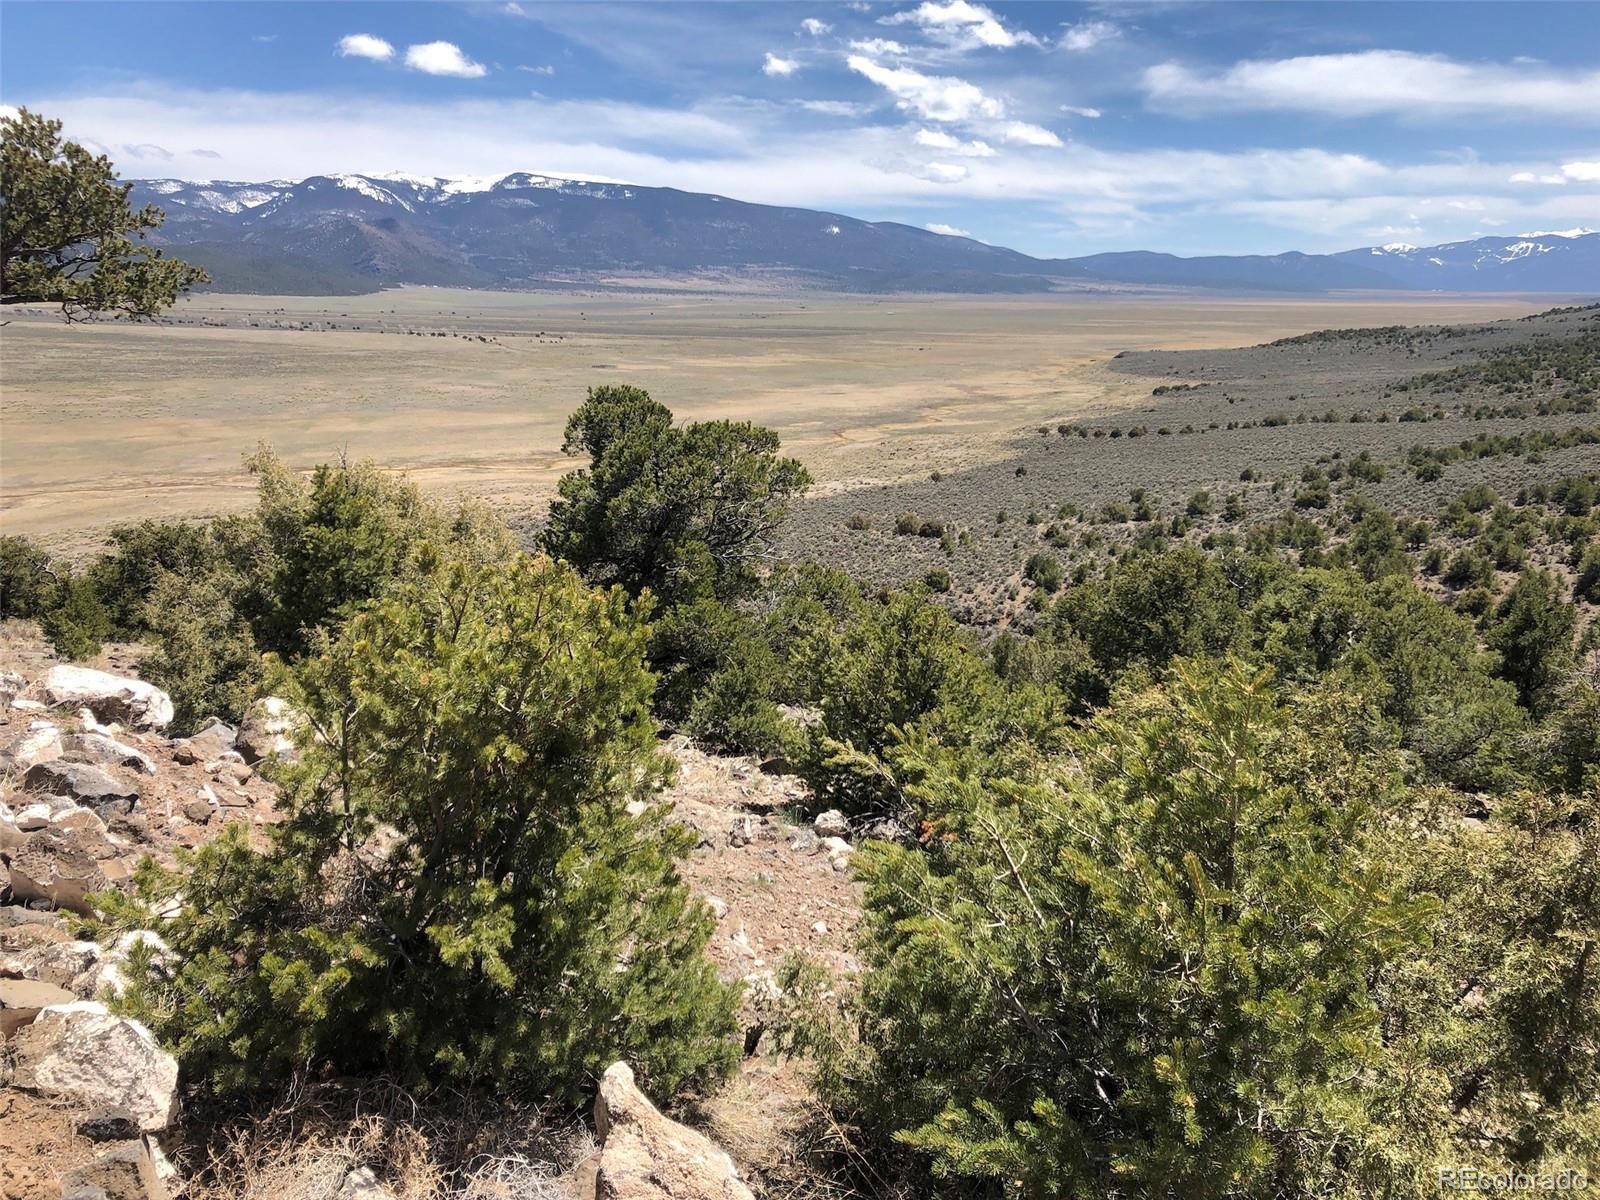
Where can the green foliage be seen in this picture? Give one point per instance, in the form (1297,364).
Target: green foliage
(457,893)
(686,511)
(1153,608)
(78,621)
(205,656)
(1044,572)
(718,674)
(1532,632)
(29,585)
(67,235)
(1149,978)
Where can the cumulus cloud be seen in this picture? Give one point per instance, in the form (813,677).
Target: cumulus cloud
(947,230)
(961,24)
(1086,35)
(815,27)
(1583,172)
(1373,82)
(1021,133)
(365,45)
(780,67)
(938,139)
(1076,111)
(443,58)
(934,97)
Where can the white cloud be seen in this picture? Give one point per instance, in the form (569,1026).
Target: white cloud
(815,27)
(1076,111)
(1021,133)
(947,230)
(364,45)
(961,24)
(1378,81)
(443,58)
(1181,199)
(938,139)
(834,108)
(512,9)
(939,172)
(1583,172)
(781,67)
(1087,35)
(935,97)
(877,46)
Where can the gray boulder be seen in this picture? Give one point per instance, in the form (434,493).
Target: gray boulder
(80,1052)
(86,783)
(105,751)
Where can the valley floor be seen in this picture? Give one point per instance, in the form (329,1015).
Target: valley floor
(468,391)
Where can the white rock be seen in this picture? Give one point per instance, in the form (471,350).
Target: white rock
(109,697)
(34,816)
(362,1184)
(87,721)
(106,977)
(38,743)
(831,824)
(268,730)
(718,906)
(107,751)
(80,1052)
(23,704)
(820,927)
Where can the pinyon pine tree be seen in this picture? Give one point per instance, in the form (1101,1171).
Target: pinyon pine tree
(458,891)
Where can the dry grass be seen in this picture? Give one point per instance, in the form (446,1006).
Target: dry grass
(453,1148)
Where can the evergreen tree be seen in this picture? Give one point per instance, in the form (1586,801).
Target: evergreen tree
(686,511)
(1532,632)
(65,229)
(457,891)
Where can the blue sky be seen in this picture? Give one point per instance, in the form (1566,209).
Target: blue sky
(1054,128)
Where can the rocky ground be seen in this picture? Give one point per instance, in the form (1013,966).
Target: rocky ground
(92,784)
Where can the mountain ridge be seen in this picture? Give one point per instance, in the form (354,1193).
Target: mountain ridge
(347,232)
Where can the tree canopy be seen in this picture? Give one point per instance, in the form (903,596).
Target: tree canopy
(68,235)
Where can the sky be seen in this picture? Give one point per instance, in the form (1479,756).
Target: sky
(1057,129)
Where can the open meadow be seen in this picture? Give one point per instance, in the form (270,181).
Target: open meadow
(468,391)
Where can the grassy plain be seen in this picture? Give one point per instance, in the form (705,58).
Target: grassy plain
(468,391)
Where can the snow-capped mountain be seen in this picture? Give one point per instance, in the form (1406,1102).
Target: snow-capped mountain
(1566,260)
(352,232)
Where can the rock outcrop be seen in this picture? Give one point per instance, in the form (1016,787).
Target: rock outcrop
(81,1053)
(647,1156)
(110,697)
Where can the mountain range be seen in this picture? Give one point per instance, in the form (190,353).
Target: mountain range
(345,234)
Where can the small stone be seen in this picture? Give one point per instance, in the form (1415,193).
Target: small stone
(718,906)
(742,833)
(362,1184)
(820,927)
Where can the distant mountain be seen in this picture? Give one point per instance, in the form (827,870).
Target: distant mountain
(339,234)
(523,229)
(1567,261)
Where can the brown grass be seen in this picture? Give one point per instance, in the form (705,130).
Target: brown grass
(449,1148)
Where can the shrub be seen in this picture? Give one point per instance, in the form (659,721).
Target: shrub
(937,580)
(1140,954)
(78,622)
(519,927)
(205,657)
(28,583)
(1044,572)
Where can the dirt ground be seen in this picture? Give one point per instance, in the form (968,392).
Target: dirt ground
(469,391)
